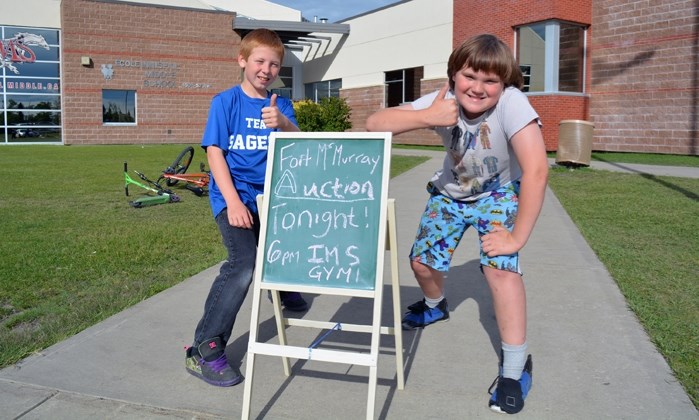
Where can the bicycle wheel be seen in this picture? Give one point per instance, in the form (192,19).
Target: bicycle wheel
(180,165)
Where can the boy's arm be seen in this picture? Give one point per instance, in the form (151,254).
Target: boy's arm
(274,118)
(528,146)
(238,213)
(442,113)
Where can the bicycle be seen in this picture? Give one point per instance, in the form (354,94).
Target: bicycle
(162,195)
(196,182)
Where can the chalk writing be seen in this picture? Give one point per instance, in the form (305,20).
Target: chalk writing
(323,213)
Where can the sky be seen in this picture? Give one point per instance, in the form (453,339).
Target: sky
(333,10)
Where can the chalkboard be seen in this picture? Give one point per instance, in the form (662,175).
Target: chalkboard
(324,209)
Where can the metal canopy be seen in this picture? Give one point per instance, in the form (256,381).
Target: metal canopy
(289,31)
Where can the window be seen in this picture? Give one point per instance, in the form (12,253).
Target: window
(30,88)
(527,76)
(118,106)
(553,52)
(402,86)
(283,85)
(319,90)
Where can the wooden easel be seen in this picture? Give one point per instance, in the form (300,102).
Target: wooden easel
(306,353)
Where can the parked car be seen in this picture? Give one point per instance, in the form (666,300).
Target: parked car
(26,132)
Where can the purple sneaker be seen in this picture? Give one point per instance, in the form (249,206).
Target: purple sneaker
(293,301)
(216,370)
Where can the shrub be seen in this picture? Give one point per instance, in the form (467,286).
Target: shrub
(331,114)
(308,115)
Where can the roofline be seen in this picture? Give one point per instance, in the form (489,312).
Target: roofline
(284,25)
(205,7)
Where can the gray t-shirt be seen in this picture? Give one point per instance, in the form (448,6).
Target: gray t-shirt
(479,156)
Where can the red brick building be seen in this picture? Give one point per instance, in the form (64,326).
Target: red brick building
(644,88)
(119,72)
(629,67)
(122,72)
(641,74)
(172,60)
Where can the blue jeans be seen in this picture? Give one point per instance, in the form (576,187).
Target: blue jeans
(230,287)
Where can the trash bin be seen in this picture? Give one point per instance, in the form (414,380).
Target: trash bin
(574,142)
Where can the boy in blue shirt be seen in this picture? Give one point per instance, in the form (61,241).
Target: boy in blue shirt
(235,139)
(493,179)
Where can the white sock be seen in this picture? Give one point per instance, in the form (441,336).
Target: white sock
(513,360)
(432,303)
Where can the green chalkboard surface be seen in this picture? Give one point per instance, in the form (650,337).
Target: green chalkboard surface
(324,207)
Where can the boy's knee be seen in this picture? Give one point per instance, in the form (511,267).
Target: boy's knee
(420,269)
(498,275)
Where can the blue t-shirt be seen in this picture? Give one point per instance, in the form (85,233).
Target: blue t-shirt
(235,126)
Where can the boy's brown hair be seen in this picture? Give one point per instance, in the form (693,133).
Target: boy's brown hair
(261,38)
(489,54)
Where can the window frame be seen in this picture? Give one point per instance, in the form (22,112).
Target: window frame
(526,70)
(408,93)
(312,89)
(34,80)
(284,83)
(552,56)
(135,108)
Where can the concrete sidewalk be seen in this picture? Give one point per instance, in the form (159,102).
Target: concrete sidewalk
(592,359)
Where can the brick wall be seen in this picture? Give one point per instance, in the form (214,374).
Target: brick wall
(367,100)
(553,109)
(363,102)
(471,17)
(423,137)
(645,81)
(500,19)
(201,44)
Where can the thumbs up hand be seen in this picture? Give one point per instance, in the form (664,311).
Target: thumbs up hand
(443,112)
(271,115)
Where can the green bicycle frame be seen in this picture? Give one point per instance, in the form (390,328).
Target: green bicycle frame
(162,196)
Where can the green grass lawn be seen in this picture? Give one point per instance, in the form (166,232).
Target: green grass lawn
(643,158)
(646,158)
(645,231)
(74,252)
